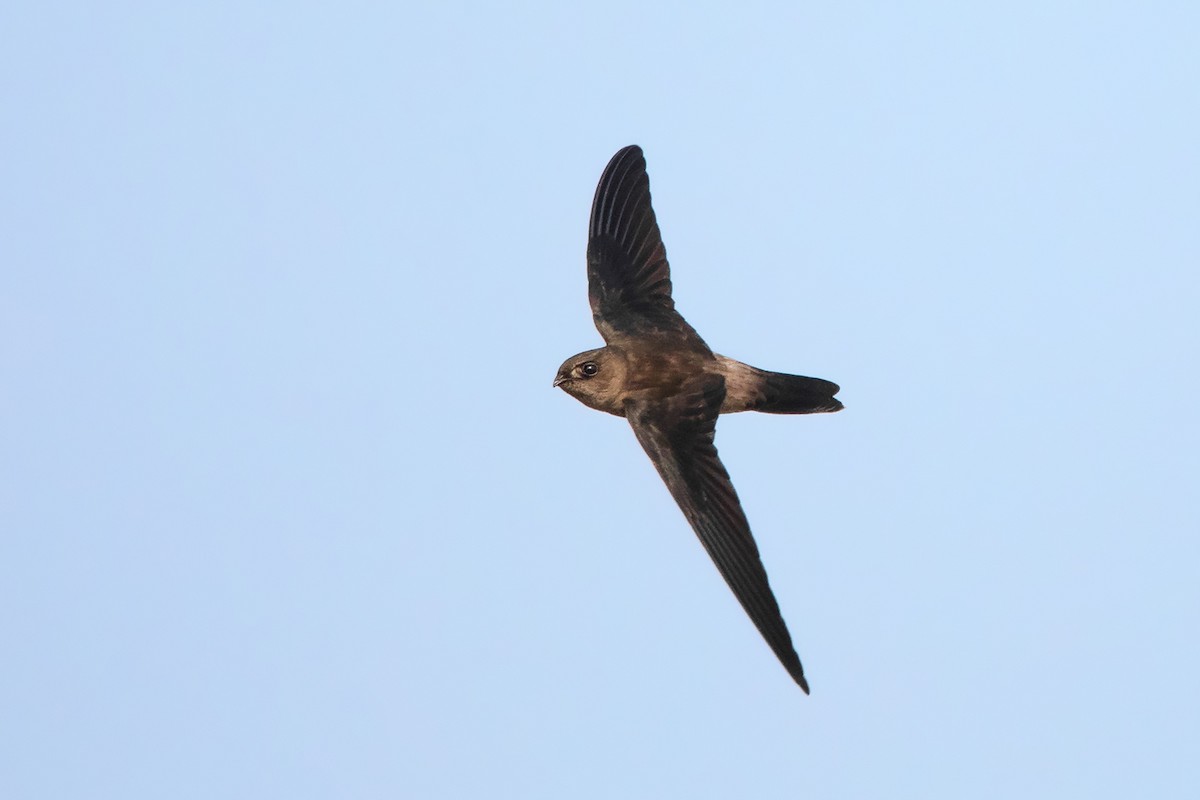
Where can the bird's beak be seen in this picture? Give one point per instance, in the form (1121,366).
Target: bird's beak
(559,381)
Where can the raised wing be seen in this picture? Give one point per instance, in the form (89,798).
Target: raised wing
(677,434)
(629,280)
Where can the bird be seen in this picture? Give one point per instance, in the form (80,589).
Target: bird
(657,373)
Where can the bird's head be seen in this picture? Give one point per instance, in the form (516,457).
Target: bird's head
(595,378)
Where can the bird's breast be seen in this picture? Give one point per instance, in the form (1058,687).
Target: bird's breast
(656,373)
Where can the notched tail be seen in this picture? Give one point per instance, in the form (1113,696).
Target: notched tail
(748,388)
(796,394)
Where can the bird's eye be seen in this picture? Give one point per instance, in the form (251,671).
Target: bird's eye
(589,369)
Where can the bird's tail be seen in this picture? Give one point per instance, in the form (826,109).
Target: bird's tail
(751,389)
(797,394)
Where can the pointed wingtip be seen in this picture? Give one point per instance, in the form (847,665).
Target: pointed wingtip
(630,152)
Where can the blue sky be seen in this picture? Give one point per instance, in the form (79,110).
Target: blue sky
(291,510)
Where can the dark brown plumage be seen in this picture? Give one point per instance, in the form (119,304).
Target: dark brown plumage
(658,373)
